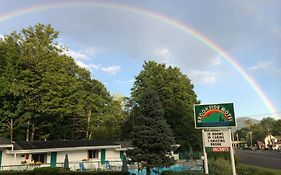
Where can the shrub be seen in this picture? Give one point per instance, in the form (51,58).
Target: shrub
(182,173)
(16,172)
(45,171)
(219,166)
(60,171)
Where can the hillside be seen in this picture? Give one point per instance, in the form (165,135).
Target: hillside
(241,122)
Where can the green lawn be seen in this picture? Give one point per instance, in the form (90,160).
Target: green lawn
(223,167)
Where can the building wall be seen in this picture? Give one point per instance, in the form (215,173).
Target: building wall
(112,155)
(74,158)
(8,159)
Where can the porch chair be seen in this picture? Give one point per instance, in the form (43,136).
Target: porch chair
(82,167)
(107,164)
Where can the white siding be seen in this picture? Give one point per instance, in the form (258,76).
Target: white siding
(74,157)
(113,157)
(9,159)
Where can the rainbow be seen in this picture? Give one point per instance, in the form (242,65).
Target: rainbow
(164,19)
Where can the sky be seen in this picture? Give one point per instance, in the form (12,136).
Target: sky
(231,50)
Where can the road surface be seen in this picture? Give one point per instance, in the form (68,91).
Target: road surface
(268,159)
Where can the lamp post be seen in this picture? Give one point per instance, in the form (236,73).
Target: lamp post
(251,139)
(237,138)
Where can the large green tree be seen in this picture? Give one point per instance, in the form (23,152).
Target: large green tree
(44,94)
(177,96)
(152,138)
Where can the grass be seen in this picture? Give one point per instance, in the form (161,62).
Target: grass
(244,169)
(221,166)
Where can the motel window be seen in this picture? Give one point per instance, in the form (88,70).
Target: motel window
(92,154)
(39,158)
(26,156)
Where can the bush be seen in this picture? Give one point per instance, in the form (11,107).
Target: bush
(45,171)
(217,166)
(16,173)
(60,171)
(182,173)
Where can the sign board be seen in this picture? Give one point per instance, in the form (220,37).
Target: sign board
(220,149)
(214,116)
(216,139)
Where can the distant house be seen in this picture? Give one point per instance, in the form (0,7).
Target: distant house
(94,153)
(272,142)
(260,145)
(278,143)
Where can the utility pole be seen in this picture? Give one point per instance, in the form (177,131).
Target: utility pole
(251,139)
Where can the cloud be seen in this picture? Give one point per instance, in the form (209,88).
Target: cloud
(215,61)
(79,58)
(260,66)
(1,36)
(91,51)
(83,54)
(111,69)
(164,55)
(95,66)
(76,54)
(277,72)
(157,40)
(82,64)
(203,77)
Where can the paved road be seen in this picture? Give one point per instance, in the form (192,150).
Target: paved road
(268,159)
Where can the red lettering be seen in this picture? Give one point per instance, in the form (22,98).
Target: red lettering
(220,149)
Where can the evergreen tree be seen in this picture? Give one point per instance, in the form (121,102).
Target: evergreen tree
(177,97)
(152,137)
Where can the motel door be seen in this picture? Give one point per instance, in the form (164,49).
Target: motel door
(0,159)
(102,156)
(122,155)
(53,159)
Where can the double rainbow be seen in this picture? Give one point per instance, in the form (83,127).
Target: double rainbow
(164,19)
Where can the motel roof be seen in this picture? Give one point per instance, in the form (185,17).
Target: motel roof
(4,141)
(26,145)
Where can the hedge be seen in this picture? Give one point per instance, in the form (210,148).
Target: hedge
(60,171)
(182,173)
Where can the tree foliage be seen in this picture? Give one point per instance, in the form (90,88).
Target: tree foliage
(44,94)
(152,138)
(257,132)
(177,96)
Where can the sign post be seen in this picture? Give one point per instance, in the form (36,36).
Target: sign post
(217,120)
(232,156)
(205,155)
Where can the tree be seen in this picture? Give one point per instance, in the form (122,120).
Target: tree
(277,128)
(44,94)
(177,96)
(257,132)
(268,124)
(152,138)
(108,121)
